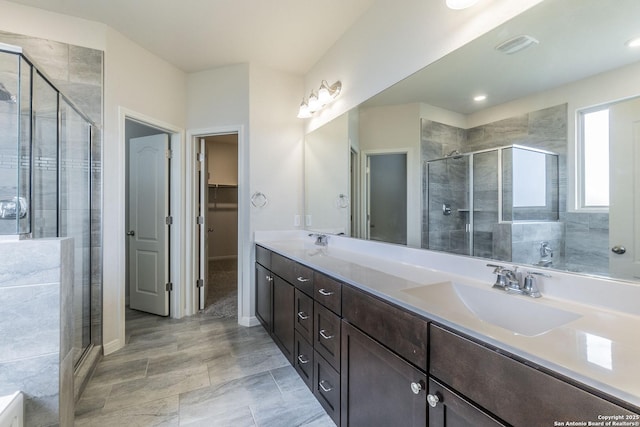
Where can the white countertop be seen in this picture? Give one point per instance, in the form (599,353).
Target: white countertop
(600,348)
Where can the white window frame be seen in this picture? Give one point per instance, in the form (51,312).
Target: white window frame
(580,160)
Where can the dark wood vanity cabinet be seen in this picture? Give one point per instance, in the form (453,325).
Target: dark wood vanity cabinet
(379,388)
(283,310)
(384,363)
(448,409)
(264,297)
(370,362)
(510,390)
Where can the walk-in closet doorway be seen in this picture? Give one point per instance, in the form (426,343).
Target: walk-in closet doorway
(217,231)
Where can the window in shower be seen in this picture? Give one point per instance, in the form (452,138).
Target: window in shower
(594,153)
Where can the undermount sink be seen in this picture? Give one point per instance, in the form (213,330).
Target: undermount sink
(516,314)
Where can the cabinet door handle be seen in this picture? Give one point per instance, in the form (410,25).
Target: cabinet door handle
(323,334)
(303,279)
(269,278)
(324,292)
(433,400)
(416,388)
(325,388)
(302,316)
(302,359)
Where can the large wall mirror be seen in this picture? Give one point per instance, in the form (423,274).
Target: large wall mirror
(541,168)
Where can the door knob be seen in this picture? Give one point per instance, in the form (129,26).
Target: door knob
(131,233)
(619,250)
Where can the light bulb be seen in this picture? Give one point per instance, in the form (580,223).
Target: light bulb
(303,112)
(314,103)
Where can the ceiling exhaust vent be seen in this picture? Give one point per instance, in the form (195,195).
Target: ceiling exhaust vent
(516,44)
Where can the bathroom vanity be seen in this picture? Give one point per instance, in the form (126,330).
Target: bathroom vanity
(381,337)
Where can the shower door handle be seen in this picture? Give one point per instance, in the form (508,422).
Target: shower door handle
(131,233)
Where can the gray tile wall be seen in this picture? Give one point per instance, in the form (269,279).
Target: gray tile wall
(78,73)
(36,326)
(579,241)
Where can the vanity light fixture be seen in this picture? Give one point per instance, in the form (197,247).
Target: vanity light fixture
(325,95)
(460,4)
(635,42)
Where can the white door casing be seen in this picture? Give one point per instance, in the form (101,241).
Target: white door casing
(148,236)
(203,197)
(624,204)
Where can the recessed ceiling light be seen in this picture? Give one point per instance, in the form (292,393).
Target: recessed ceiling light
(479,98)
(460,4)
(633,42)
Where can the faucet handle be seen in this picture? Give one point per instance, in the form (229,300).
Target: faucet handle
(530,287)
(497,268)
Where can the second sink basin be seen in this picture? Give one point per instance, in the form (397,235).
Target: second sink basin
(514,313)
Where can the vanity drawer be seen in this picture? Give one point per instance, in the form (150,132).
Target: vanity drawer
(304,315)
(326,327)
(297,274)
(283,267)
(263,257)
(326,387)
(303,361)
(401,331)
(303,279)
(328,292)
(519,394)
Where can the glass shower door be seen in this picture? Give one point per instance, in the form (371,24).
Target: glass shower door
(75,214)
(485,203)
(448,208)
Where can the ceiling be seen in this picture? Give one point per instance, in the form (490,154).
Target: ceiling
(195,35)
(577,39)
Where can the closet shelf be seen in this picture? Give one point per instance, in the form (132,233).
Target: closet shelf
(212,185)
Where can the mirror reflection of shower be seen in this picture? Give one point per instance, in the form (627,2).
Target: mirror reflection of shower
(480,203)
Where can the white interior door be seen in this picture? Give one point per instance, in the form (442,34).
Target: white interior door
(624,204)
(148,235)
(203,246)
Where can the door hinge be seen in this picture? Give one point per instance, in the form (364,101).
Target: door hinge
(200,220)
(168,154)
(200,157)
(169,220)
(199,283)
(169,286)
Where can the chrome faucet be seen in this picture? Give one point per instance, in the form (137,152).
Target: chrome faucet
(506,279)
(509,281)
(321,239)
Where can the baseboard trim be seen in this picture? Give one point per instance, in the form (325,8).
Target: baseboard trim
(248,321)
(112,346)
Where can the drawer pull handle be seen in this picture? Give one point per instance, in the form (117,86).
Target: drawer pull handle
(323,334)
(302,316)
(416,388)
(303,279)
(324,292)
(325,388)
(302,359)
(433,400)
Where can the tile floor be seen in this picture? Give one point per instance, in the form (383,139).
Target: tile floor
(197,371)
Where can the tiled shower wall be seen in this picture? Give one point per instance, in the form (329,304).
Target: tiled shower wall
(36,328)
(580,241)
(78,73)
